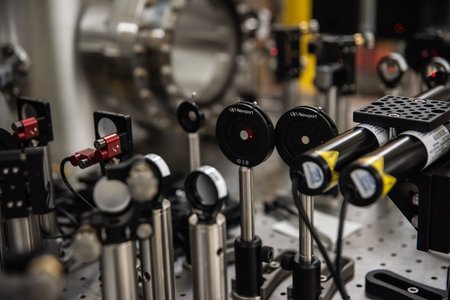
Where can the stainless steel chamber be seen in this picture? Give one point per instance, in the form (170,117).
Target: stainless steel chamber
(143,57)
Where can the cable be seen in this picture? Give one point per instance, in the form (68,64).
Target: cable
(68,215)
(340,235)
(330,265)
(66,182)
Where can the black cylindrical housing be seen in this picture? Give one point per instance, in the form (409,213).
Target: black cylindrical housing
(373,176)
(305,280)
(401,157)
(333,155)
(248,267)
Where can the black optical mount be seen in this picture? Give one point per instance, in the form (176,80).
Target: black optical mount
(35,122)
(391,69)
(190,117)
(297,131)
(246,136)
(286,52)
(206,200)
(335,62)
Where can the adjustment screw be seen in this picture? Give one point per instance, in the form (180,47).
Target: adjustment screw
(266,254)
(99,144)
(415,199)
(287,262)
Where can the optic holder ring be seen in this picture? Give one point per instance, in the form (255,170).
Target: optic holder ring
(245,134)
(301,129)
(190,117)
(157,165)
(399,65)
(206,209)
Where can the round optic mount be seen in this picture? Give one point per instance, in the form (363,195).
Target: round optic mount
(245,134)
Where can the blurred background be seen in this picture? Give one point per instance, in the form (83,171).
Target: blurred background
(143,57)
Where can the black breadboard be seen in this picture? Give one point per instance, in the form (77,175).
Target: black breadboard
(404,113)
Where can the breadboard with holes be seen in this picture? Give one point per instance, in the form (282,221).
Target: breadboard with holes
(386,241)
(404,113)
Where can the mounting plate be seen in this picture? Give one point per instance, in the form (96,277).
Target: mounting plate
(404,113)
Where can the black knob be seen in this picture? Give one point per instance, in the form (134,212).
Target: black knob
(266,254)
(287,262)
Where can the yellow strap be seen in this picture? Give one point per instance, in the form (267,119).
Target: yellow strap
(330,158)
(378,164)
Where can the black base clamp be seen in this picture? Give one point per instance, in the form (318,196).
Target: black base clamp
(311,283)
(384,284)
(329,287)
(305,278)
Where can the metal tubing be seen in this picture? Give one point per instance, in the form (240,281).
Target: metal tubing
(2,242)
(342,109)
(118,267)
(331,102)
(162,254)
(209,266)
(194,151)
(306,243)
(439,92)
(247,200)
(146,266)
(367,17)
(19,236)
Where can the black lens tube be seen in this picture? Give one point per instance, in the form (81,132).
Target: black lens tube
(322,165)
(374,175)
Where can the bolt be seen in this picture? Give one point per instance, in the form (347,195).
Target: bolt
(415,221)
(393,115)
(84,163)
(413,290)
(138,49)
(17,126)
(415,199)
(274,264)
(140,73)
(145,94)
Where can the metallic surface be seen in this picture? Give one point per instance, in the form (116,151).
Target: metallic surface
(209,265)
(386,240)
(146,267)
(118,271)
(2,241)
(368,21)
(239,297)
(331,103)
(138,55)
(19,235)
(45,30)
(392,133)
(163,278)
(194,151)
(247,202)
(306,243)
